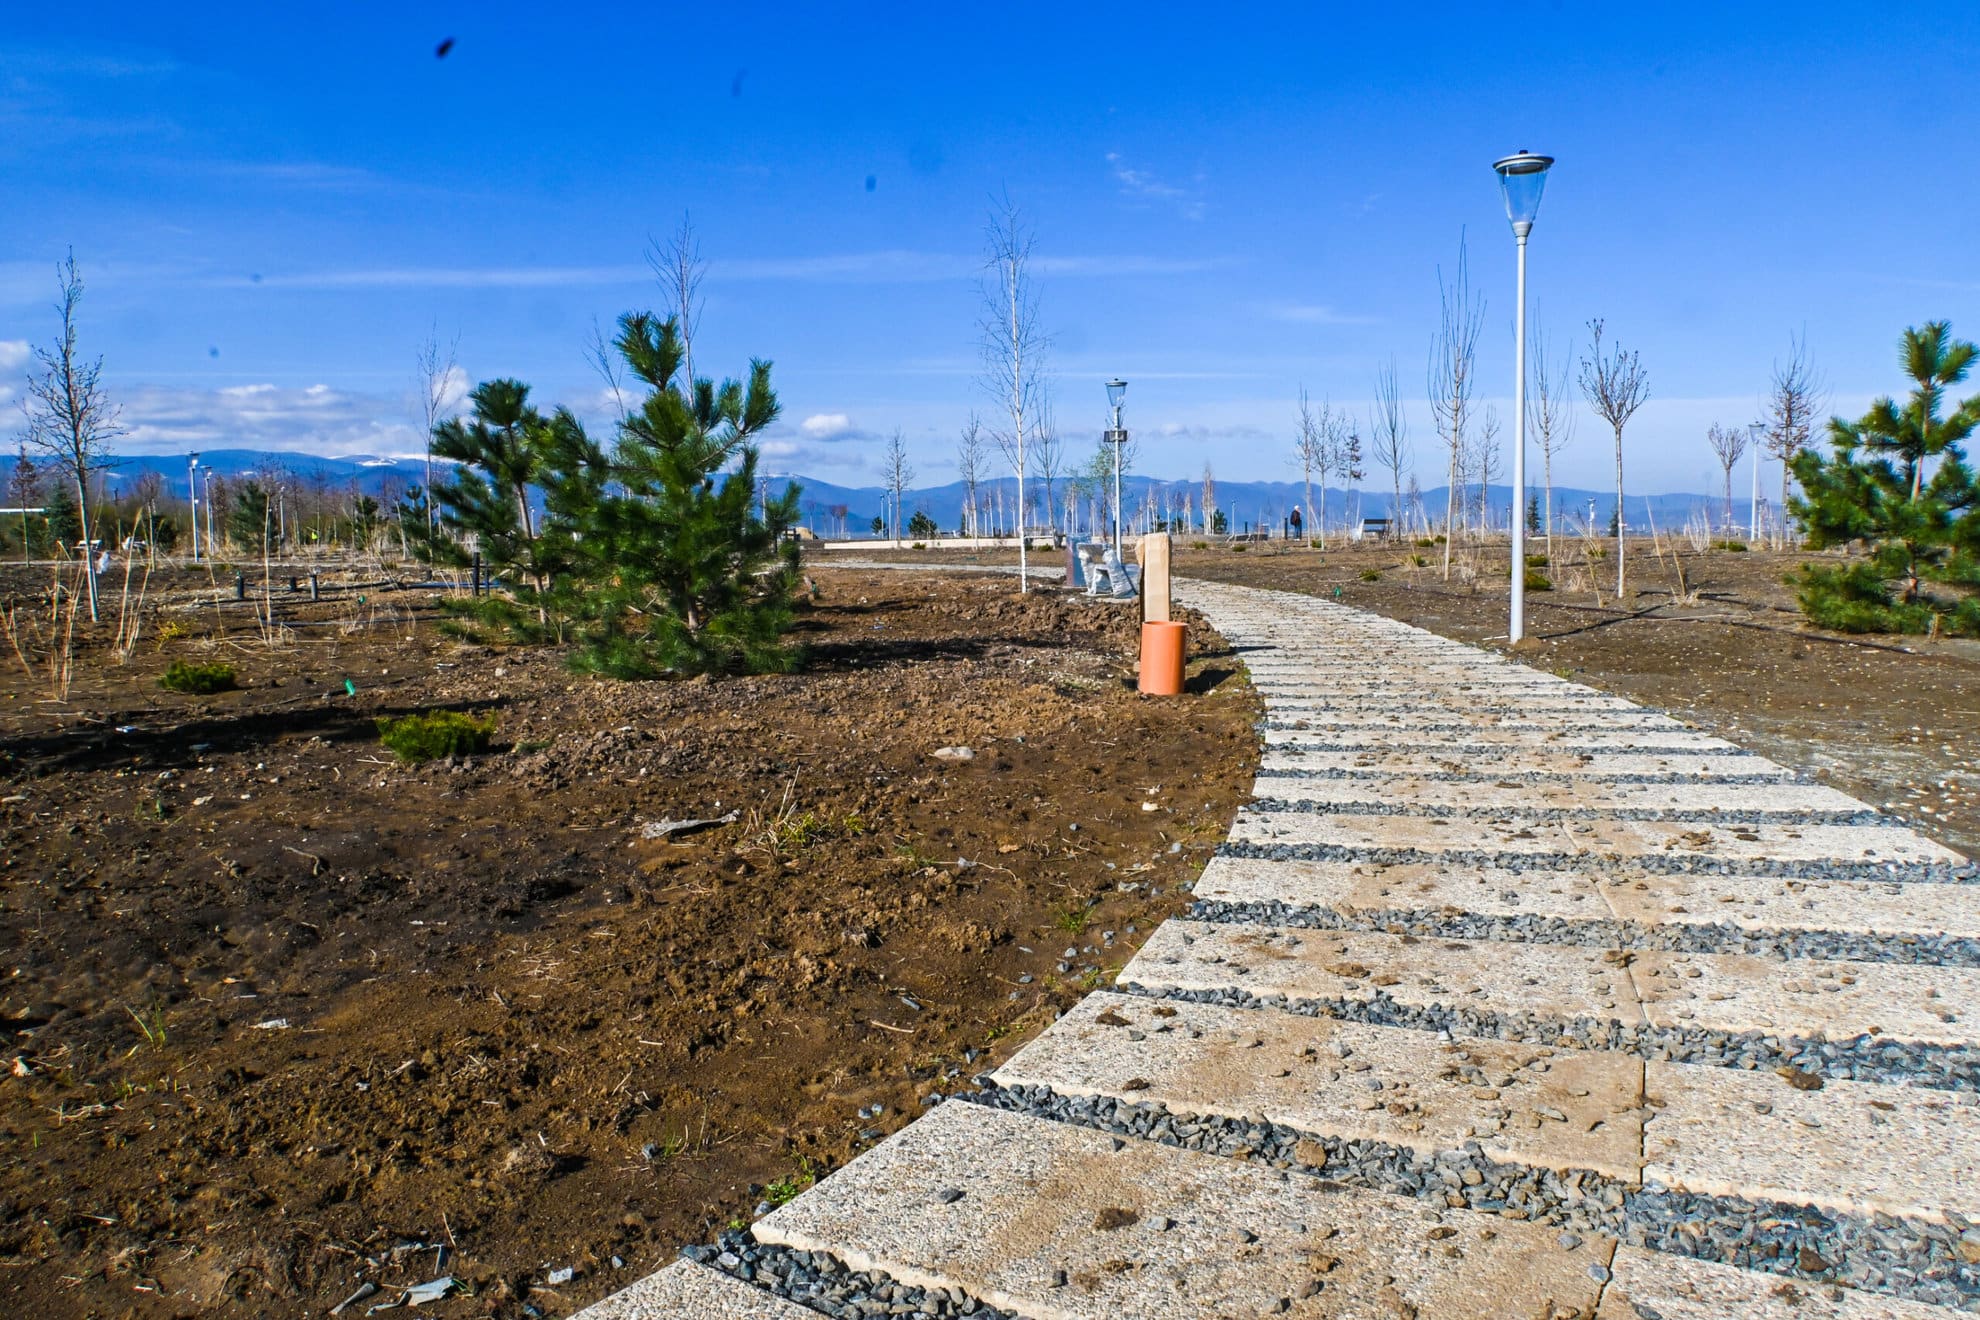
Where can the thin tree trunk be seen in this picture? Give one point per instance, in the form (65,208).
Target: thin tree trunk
(1621,520)
(89,550)
(1547,480)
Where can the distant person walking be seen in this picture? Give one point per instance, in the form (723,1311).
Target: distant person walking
(1294,519)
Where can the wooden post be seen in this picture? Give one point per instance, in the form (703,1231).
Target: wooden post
(315,588)
(1154,555)
(476,590)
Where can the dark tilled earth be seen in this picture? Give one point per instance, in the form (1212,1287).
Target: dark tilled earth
(286,1018)
(1712,636)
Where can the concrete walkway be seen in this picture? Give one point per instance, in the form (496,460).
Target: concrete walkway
(1505,998)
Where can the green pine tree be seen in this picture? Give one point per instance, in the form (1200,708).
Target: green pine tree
(683,569)
(1915,433)
(247,519)
(501,454)
(1872,494)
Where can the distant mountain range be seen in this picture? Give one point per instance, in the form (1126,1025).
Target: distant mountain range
(834,510)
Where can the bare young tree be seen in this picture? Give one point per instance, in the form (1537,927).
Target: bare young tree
(610,366)
(1551,419)
(1389,433)
(1048,452)
(1793,401)
(1013,347)
(1485,463)
(970,467)
(68,415)
(434,379)
(894,463)
(1209,500)
(1615,385)
(1453,368)
(1728,446)
(1310,452)
(678,267)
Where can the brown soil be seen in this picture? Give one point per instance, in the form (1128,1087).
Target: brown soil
(1894,720)
(286,1018)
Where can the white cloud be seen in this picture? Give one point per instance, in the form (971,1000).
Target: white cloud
(1147,186)
(13,352)
(1314,314)
(315,419)
(826,426)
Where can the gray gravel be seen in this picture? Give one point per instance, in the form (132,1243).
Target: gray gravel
(1536,814)
(1909,1258)
(822,1282)
(1450,749)
(1965,873)
(1859,1058)
(1514,777)
(1608,933)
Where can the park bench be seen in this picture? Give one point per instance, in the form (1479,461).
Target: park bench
(1372,528)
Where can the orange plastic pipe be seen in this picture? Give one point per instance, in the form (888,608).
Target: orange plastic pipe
(1162,659)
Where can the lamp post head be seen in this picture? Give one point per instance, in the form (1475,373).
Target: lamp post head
(1758,430)
(194,456)
(1116,391)
(1522,178)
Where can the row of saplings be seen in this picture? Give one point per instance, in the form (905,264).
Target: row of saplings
(1897,487)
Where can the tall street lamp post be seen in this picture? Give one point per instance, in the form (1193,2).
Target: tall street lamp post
(192,480)
(1522,177)
(1116,391)
(1756,433)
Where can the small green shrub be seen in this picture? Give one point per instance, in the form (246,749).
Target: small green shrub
(1199,545)
(1538,581)
(1418,561)
(1737,547)
(1239,548)
(200,680)
(434,734)
(1425,542)
(1536,561)
(1370,575)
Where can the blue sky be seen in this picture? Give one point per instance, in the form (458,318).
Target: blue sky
(272,207)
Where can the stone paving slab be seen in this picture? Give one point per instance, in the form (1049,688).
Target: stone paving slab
(1651,1286)
(1321,693)
(1859,1147)
(1591,795)
(1379,763)
(1057,1223)
(1548,980)
(1701,838)
(1739,992)
(1574,1111)
(1455,720)
(1371,886)
(1512,741)
(1775,903)
(1298,703)
(1648,898)
(1711,991)
(687,1291)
